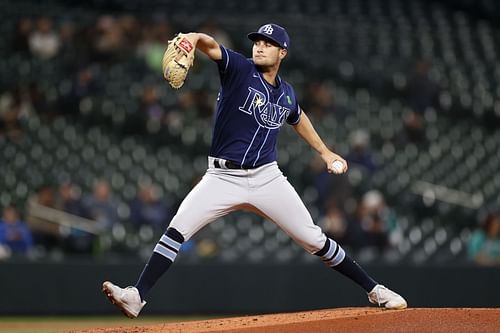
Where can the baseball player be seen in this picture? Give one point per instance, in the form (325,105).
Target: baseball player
(252,105)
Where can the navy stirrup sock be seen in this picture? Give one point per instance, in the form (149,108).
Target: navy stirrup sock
(163,256)
(334,256)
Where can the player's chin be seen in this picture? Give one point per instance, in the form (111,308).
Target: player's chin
(261,62)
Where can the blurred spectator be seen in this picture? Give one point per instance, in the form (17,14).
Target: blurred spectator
(14,233)
(319,99)
(151,114)
(337,188)
(155,37)
(38,100)
(421,92)
(76,240)
(334,222)
(204,104)
(374,225)
(205,248)
(413,129)
(131,31)
(69,200)
(186,107)
(68,47)
(85,83)
(109,40)
(44,42)
(359,154)
(56,220)
(211,28)
(15,107)
(101,206)
(151,105)
(484,245)
(20,42)
(45,232)
(45,196)
(149,209)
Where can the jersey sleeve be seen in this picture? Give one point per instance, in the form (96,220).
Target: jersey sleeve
(231,66)
(295,110)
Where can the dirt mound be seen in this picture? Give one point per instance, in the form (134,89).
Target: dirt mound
(345,320)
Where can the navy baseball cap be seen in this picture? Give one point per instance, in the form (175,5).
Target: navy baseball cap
(272,32)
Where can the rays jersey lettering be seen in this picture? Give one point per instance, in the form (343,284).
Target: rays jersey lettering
(268,115)
(249,112)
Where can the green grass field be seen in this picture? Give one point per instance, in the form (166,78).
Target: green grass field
(49,324)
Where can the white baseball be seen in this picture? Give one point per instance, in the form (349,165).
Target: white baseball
(337,166)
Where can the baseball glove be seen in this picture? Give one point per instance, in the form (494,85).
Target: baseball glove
(177,60)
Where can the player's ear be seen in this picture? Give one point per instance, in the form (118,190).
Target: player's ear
(283,53)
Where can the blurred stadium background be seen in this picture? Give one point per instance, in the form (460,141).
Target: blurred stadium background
(97,153)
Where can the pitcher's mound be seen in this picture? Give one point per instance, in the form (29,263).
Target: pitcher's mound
(344,320)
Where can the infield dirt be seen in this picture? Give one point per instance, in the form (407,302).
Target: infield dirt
(345,320)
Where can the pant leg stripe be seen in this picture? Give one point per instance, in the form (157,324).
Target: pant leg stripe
(334,255)
(337,259)
(164,251)
(170,242)
(168,246)
(337,249)
(331,250)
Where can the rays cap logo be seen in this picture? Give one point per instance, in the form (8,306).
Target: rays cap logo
(272,32)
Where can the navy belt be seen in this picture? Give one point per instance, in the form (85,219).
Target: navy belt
(231,165)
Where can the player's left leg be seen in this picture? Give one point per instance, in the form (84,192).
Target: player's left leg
(218,193)
(278,200)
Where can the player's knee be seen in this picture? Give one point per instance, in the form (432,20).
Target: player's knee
(314,242)
(180,228)
(324,249)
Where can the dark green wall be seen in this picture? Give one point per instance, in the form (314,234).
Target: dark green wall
(74,288)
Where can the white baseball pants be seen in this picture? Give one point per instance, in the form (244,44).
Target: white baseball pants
(263,190)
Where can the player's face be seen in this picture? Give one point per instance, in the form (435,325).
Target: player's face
(267,54)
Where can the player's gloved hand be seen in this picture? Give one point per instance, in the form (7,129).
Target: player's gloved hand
(177,60)
(335,163)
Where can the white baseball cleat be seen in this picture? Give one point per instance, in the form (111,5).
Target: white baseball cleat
(387,298)
(127,299)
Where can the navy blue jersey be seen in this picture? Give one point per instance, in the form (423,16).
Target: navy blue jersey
(249,112)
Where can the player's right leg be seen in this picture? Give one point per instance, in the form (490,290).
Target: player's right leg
(278,201)
(218,193)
